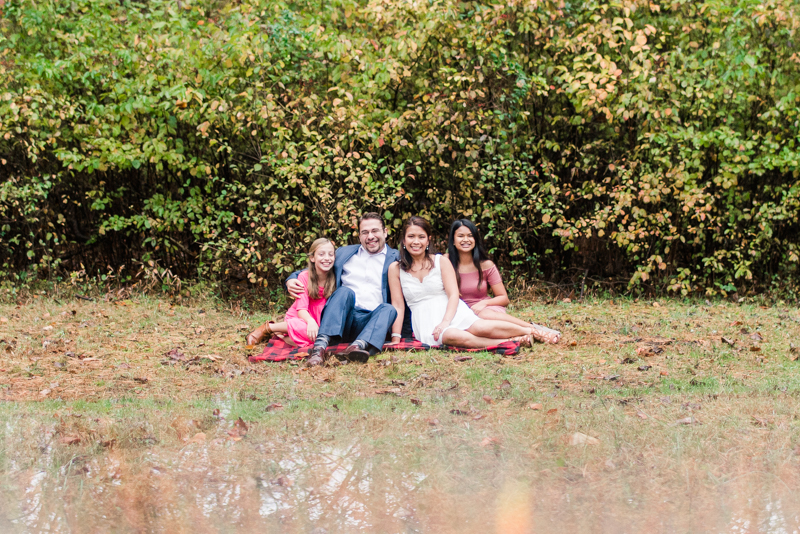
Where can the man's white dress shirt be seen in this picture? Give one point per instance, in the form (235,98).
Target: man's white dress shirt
(363,273)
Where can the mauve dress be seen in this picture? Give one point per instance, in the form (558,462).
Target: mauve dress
(472,293)
(298,328)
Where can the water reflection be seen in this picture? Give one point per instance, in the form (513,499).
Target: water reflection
(307,486)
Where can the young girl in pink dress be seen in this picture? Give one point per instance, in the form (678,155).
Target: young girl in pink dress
(476,274)
(302,319)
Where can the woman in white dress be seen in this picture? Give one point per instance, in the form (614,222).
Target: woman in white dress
(428,284)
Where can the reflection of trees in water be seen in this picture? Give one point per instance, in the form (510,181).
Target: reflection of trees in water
(342,487)
(224,487)
(339,488)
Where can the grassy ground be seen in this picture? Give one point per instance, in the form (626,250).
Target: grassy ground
(649,416)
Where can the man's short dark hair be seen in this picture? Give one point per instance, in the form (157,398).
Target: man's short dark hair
(371,215)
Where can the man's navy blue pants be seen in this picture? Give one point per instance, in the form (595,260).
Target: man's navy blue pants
(343,319)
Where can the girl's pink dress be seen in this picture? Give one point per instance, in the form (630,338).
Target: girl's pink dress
(298,328)
(472,293)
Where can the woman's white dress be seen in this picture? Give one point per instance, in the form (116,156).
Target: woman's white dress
(427,301)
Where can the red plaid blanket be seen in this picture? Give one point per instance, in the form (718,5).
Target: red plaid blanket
(278,350)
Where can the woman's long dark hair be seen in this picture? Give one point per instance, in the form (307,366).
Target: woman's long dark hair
(406,261)
(478,253)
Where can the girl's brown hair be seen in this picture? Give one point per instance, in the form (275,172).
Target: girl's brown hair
(313,279)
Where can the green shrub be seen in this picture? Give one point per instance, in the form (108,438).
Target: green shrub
(649,141)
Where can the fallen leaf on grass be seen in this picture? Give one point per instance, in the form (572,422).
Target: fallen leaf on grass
(551,411)
(200,437)
(504,385)
(3,319)
(755,336)
(687,421)
(663,373)
(647,351)
(760,421)
(611,377)
(176,355)
(199,329)
(755,348)
(579,438)
(479,416)
(273,406)
(644,367)
(488,399)
(459,412)
(283,481)
(728,341)
(70,439)
(433,422)
(535,406)
(462,358)
(415,402)
(239,430)
(249,347)
(485,442)
(640,414)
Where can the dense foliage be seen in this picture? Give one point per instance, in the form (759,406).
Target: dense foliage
(653,142)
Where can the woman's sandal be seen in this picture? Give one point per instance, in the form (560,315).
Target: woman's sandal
(524,341)
(543,334)
(258,334)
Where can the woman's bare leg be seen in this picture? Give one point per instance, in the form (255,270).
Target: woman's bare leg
(539,332)
(492,315)
(466,340)
(498,329)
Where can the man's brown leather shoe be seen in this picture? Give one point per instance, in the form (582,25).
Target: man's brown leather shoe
(354,353)
(316,356)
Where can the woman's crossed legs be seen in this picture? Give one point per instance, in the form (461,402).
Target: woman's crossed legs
(539,333)
(485,333)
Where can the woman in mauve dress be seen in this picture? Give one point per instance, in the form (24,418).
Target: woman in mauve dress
(476,274)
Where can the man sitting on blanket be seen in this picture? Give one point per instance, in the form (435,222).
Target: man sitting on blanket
(360,310)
